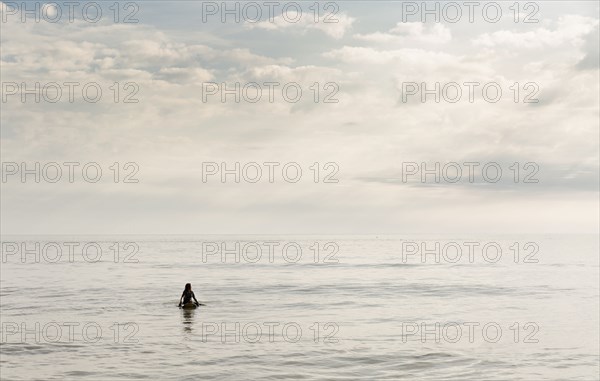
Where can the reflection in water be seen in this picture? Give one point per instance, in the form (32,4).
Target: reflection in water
(188,320)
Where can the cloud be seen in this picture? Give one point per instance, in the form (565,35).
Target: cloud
(368,133)
(184,75)
(591,60)
(334,26)
(416,57)
(570,29)
(410,32)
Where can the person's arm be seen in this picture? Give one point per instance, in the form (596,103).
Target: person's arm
(180,298)
(194,296)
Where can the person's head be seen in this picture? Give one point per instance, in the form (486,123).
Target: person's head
(188,287)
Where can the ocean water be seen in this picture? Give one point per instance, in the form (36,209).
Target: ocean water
(369,307)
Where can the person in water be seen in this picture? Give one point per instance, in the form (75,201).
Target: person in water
(188,295)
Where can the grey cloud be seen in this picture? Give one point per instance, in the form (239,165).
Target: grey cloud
(591,61)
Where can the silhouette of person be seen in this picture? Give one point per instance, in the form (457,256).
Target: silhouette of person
(188,295)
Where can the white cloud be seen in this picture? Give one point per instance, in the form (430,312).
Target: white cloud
(410,32)
(569,29)
(335,27)
(368,133)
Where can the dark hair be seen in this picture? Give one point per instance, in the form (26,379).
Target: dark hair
(188,287)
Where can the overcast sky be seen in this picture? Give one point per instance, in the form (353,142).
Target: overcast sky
(368,54)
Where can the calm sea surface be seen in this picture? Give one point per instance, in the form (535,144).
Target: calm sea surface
(300,307)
